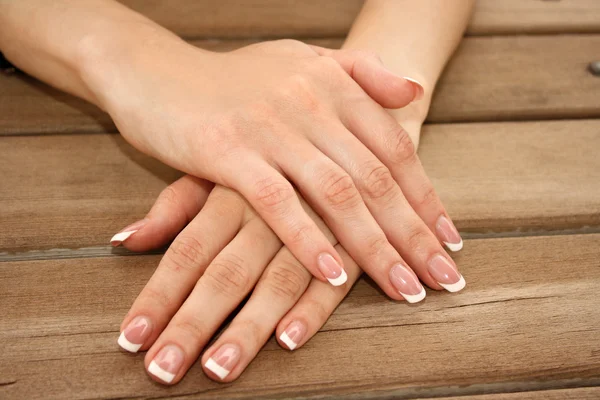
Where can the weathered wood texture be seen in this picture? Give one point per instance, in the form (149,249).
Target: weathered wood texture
(493,177)
(590,393)
(316,18)
(495,78)
(528,320)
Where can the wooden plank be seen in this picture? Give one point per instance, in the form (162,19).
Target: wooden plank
(73,191)
(76,191)
(591,393)
(495,78)
(493,17)
(528,320)
(314,18)
(508,78)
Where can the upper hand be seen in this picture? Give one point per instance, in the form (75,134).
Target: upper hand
(256,117)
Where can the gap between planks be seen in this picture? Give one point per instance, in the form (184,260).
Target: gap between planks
(109,251)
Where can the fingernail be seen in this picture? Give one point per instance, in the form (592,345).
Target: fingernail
(127,232)
(135,334)
(166,363)
(407,284)
(333,271)
(448,234)
(293,334)
(224,360)
(419,90)
(446,274)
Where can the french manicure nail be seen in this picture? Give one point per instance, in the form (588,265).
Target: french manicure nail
(419,90)
(407,284)
(127,232)
(448,234)
(333,271)
(293,334)
(224,360)
(446,274)
(135,334)
(167,363)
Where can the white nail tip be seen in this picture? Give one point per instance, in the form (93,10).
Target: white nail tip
(412,80)
(160,373)
(127,345)
(340,280)
(414,298)
(455,287)
(122,236)
(216,368)
(288,341)
(454,246)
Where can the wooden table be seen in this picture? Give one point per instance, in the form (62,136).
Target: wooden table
(513,147)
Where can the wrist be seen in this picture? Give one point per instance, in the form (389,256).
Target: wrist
(105,59)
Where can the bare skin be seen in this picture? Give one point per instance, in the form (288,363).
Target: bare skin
(257,120)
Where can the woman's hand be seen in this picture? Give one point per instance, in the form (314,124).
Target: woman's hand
(225,252)
(256,117)
(207,272)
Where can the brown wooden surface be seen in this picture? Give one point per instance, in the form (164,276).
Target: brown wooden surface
(493,177)
(317,18)
(528,319)
(481,83)
(525,194)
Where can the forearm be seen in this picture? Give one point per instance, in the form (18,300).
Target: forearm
(56,41)
(414,38)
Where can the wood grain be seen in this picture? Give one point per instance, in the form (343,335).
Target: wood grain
(76,191)
(528,320)
(314,18)
(591,393)
(495,78)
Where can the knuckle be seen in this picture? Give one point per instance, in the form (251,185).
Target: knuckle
(317,310)
(416,238)
(286,281)
(378,182)
(301,235)
(251,330)
(191,327)
(376,245)
(339,190)
(273,193)
(402,148)
(159,297)
(429,198)
(228,275)
(185,253)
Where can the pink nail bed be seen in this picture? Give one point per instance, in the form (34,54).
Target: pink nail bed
(407,283)
(332,270)
(224,360)
(446,274)
(293,334)
(448,234)
(135,334)
(167,363)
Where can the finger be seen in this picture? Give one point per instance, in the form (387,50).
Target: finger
(334,195)
(176,205)
(181,267)
(219,291)
(404,229)
(390,143)
(274,198)
(367,69)
(314,308)
(283,282)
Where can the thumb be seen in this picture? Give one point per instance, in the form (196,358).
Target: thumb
(367,69)
(176,205)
